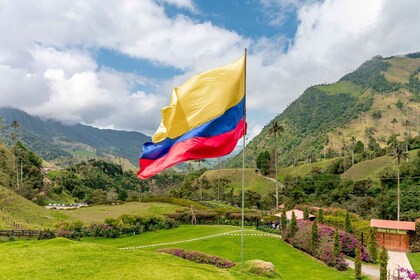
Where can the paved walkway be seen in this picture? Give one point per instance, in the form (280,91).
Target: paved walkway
(398,259)
(367,270)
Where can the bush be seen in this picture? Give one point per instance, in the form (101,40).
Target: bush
(325,247)
(198,257)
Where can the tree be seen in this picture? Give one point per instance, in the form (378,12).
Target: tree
(320,216)
(336,246)
(394,121)
(283,220)
(293,225)
(347,223)
(263,162)
(353,142)
(383,262)
(358,264)
(314,236)
(276,129)
(306,214)
(406,124)
(398,154)
(373,251)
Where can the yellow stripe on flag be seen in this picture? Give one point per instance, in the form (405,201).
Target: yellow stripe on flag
(202,98)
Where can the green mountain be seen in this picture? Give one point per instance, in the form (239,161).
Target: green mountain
(60,143)
(364,108)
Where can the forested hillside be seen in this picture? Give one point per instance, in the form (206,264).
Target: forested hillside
(368,108)
(54,141)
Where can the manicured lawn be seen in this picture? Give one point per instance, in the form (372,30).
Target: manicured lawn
(64,259)
(99,213)
(290,262)
(102,259)
(415,261)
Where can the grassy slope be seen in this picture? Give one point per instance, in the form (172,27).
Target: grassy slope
(253,182)
(415,261)
(342,87)
(26,213)
(370,169)
(290,262)
(98,213)
(304,169)
(64,259)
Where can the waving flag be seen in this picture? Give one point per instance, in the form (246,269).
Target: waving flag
(205,119)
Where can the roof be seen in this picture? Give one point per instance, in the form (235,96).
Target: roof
(298,214)
(390,224)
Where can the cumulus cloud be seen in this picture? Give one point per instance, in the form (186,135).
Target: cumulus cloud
(48,65)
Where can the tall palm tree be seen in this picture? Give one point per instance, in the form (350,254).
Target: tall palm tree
(398,154)
(276,129)
(406,124)
(353,143)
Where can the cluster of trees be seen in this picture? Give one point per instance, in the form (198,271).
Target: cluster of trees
(365,197)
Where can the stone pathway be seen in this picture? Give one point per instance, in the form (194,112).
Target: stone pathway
(230,233)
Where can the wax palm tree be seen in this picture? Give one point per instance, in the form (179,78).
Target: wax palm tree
(406,124)
(353,143)
(398,154)
(276,129)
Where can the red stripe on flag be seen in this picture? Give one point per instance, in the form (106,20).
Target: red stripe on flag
(193,148)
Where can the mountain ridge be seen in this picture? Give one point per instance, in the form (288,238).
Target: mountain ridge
(53,140)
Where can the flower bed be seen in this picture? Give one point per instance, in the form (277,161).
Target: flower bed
(198,257)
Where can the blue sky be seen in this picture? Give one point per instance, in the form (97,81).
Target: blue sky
(113,64)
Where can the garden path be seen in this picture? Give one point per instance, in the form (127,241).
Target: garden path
(367,270)
(396,260)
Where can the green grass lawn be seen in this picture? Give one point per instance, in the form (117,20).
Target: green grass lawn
(102,259)
(253,181)
(64,259)
(98,213)
(415,261)
(290,262)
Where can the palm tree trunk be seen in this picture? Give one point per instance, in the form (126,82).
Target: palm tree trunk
(277,183)
(398,190)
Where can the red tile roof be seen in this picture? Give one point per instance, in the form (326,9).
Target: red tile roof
(389,224)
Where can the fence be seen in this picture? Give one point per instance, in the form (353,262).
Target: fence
(19,233)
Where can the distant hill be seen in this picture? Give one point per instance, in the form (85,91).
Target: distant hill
(54,141)
(370,104)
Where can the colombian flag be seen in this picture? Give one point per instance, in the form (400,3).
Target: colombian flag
(205,119)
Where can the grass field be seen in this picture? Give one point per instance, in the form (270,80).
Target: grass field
(415,261)
(253,181)
(342,87)
(99,258)
(98,213)
(370,169)
(15,208)
(290,262)
(304,169)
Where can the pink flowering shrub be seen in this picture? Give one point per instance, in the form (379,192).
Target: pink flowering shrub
(324,249)
(406,274)
(198,257)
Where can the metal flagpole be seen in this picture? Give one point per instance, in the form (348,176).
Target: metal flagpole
(243,170)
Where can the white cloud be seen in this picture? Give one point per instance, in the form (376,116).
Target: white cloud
(48,67)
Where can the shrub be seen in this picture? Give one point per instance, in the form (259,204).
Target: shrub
(198,257)
(358,264)
(326,251)
(407,274)
(383,262)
